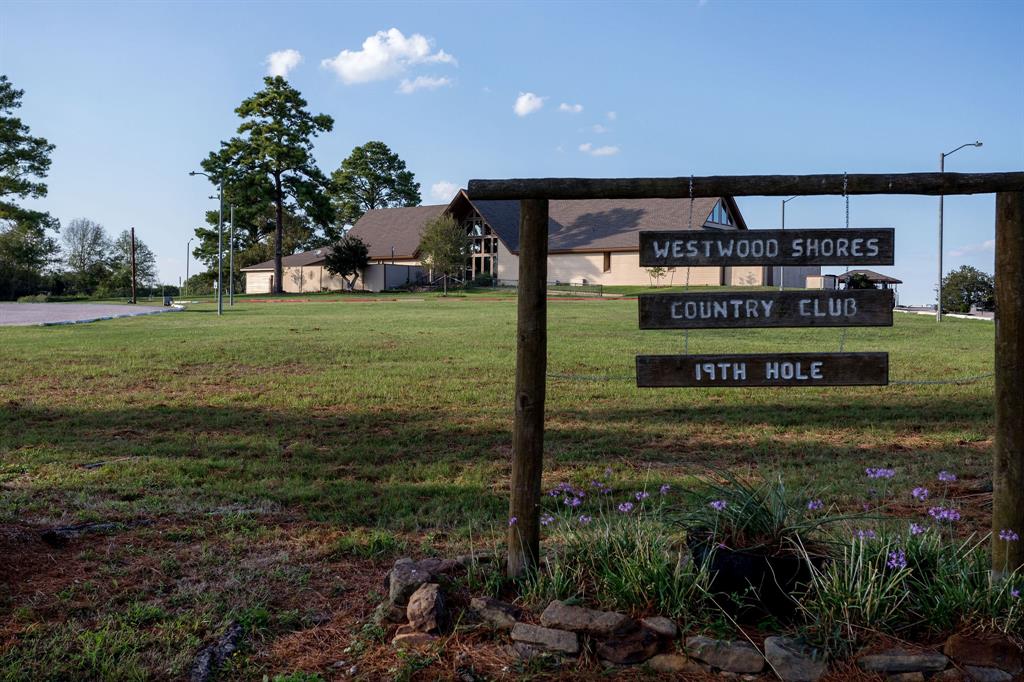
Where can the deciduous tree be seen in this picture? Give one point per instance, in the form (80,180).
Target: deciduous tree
(86,252)
(966,287)
(347,258)
(445,247)
(372,177)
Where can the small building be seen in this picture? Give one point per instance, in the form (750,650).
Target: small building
(879,280)
(594,241)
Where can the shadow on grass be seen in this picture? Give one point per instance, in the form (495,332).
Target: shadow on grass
(414,469)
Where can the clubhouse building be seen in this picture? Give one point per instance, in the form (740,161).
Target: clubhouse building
(594,241)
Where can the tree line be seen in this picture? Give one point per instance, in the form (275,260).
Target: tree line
(282,201)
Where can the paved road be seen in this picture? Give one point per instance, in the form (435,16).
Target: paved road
(53,313)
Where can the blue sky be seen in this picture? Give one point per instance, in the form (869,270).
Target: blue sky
(134,95)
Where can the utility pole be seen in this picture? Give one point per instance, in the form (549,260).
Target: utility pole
(220,250)
(133,265)
(231,259)
(188,252)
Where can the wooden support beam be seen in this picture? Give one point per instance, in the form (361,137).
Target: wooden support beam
(747,185)
(531,368)
(1008,469)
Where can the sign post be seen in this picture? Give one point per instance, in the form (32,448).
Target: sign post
(533,194)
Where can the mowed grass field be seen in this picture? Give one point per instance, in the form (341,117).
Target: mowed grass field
(269,465)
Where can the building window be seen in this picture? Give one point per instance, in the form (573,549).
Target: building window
(607,261)
(720,215)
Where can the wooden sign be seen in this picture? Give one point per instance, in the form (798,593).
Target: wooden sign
(762,369)
(683,248)
(716,310)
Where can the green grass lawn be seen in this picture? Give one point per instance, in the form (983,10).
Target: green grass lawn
(282,454)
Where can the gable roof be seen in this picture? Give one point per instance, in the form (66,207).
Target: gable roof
(602,224)
(296,260)
(876,277)
(384,228)
(573,226)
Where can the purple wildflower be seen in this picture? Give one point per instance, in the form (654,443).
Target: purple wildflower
(944,514)
(1015,593)
(897,560)
(573,501)
(920,494)
(546,519)
(815,505)
(717,505)
(866,534)
(1008,535)
(663,490)
(513,521)
(642,495)
(917,529)
(626,507)
(584,519)
(877,472)
(947,477)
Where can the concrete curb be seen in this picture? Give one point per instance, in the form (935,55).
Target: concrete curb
(173,308)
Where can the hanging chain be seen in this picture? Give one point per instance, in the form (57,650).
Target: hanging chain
(846,197)
(689,226)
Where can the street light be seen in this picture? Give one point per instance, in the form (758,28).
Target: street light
(942,169)
(782,268)
(188,252)
(220,241)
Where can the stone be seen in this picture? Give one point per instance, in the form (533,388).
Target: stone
(949,675)
(661,626)
(985,651)
(905,677)
(496,613)
(413,639)
(426,610)
(901,661)
(386,612)
(676,663)
(578,619)
(979,673)
(407,575)
(629,649)
(794,661)
(549,639)
(734,657)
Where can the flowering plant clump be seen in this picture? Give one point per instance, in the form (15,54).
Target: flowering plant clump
(944,514)
(947,477)
(546,519)
(626,507)
(815,505)
(718,505)
(865,534)
(663,490)
(873,472)
(920,494)
(917,529)
(897,560)
(1008,535)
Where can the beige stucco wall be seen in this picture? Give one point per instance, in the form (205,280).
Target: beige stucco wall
(257,282)
(745,275)
(625,270)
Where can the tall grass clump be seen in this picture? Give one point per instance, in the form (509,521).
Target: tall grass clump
(617,554)
(919,585)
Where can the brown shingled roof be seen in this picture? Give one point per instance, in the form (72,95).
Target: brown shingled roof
(295,260)
(601,224)
(400,228)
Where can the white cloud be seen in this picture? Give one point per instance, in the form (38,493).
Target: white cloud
(385,54)
(407,87)
(570,108)
(612,115)
(527,103)
(598,128)
(607,150)
(987,245)
(280,63)
(443,190)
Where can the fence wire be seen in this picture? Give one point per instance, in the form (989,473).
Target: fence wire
(959,381)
